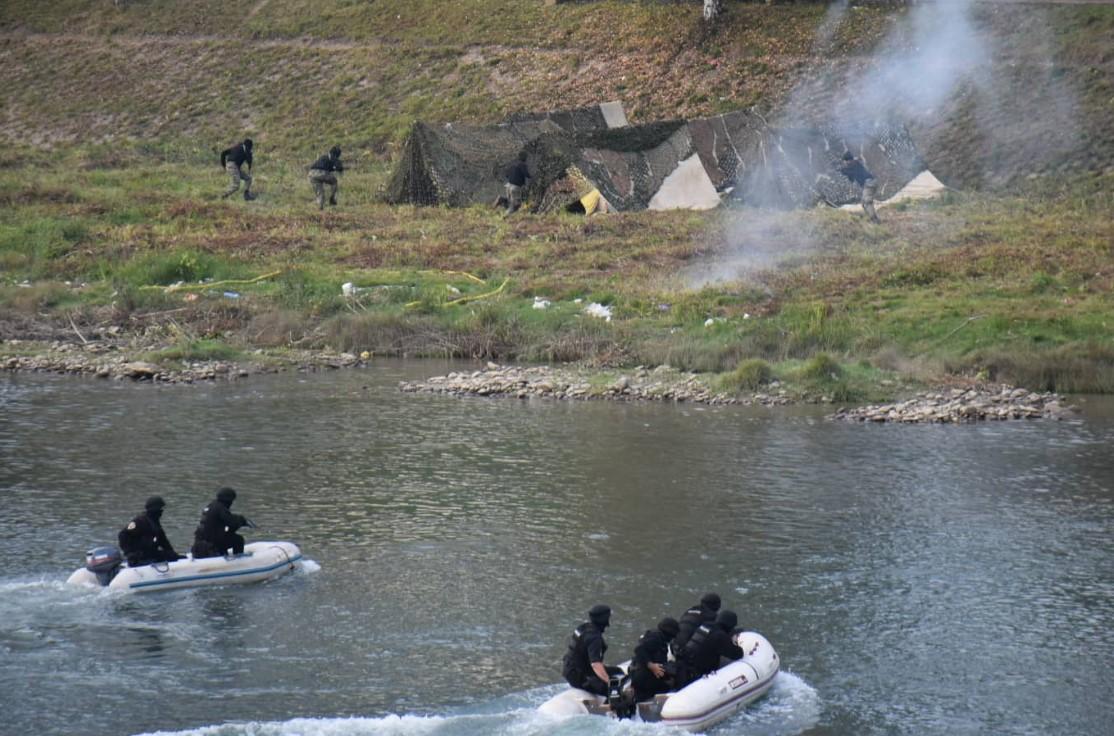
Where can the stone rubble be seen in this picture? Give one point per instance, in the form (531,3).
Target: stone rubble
(964,405)
(667,384)
(639,384)
(110,360)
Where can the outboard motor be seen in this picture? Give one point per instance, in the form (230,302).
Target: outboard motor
(104,562)
(621,706)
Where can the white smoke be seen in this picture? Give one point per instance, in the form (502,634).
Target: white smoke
(922,62)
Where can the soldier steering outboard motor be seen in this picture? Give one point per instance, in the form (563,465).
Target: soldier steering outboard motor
(104,562)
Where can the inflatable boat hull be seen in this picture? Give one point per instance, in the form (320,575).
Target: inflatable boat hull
(701,704)
(260,561)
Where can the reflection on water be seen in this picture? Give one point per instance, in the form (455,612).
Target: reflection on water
(907,575)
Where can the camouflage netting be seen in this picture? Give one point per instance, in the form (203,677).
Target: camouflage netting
(570,153)
(459,165)
(627,165)
(797,166)
(579,120)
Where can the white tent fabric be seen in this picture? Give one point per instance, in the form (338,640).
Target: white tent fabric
(922,186)
(614,114)
(688,187)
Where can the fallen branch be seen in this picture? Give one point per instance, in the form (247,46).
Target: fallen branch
(147,315)
(74,326)
(966,322)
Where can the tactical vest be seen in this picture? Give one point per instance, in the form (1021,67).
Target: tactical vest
(696,642)
(577,655)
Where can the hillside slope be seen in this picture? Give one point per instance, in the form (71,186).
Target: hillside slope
(188,76)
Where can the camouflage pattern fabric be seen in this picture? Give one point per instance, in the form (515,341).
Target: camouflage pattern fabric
(235,175)
(514,197)
(319,179)
(869,188)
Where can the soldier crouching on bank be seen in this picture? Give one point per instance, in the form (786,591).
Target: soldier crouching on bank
(231,160)
(323,173)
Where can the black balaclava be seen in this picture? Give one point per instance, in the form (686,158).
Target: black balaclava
(669,627)
(248,144)
(226,496)
(711,601)
(335,151)
(600,615)
(727,619)
(154,507)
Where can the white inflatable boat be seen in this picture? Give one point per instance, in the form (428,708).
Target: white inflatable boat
(260,561)
(699,705)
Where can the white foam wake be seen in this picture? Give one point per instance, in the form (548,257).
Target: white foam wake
(791,707)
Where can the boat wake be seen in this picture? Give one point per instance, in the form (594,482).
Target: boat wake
(791,707)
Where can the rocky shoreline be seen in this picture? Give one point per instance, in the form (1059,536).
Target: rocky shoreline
(985,403)
(118,360)
(667,384)
(639,384)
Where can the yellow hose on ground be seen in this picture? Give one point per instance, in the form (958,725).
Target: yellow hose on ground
(214,284)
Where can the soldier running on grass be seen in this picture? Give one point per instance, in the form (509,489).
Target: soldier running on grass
(324,172)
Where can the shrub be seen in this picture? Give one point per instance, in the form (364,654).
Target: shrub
(821,367)
(278,329)
(1075,368)
(193,350)
(750,375)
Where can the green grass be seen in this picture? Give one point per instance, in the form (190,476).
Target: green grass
(959,285)
(194,350)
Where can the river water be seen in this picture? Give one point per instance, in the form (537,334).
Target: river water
(914,579)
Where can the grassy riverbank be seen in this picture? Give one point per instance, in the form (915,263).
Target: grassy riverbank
(1014,287)
(107,196)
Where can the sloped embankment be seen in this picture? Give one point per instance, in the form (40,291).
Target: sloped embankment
(196,76)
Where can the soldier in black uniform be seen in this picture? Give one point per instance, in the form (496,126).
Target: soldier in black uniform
(854,169)
(703,612)
(216,532)
(649,671)
(231,160)
(323,173)
(143,540)
(583,665)
(515,178)
(709,643)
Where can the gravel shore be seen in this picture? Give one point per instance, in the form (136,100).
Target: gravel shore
(117,360)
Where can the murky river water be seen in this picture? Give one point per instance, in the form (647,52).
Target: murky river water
(915,579)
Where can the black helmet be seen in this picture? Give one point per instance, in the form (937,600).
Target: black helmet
(669,627)
(154,503)
(226,496)
(727,619)
(248,143)
(710,601)
(335,151)
(600,615)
